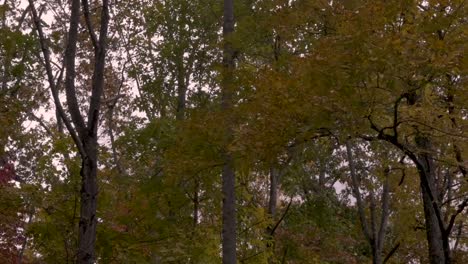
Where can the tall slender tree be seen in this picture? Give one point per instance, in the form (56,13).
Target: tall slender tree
(228,173)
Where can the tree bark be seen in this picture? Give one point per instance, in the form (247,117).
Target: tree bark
(229,212)
(272,201)
(273,198)
(434,231)
(89,188)
(181,88)
(229,233)
(89,191)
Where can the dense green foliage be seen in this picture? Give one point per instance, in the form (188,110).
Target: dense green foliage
(317,84)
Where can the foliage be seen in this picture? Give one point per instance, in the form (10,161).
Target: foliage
(310,76)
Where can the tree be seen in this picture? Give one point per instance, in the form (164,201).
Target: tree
(278,132)
(228,175)
(84,134)
(375,229)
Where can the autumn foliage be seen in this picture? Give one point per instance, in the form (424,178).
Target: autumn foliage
(307,131)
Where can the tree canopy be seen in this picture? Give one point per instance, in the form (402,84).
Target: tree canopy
(270,131)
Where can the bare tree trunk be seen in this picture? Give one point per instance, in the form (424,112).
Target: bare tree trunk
(228,174)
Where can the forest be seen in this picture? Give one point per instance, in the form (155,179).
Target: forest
(234,132)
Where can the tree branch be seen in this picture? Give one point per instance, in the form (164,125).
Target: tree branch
(70,55)
(424,181)
(460,209)
(357,193)
(385,210)
(98,74)
(390,254)
(50,77)
(89,25)
(272,232)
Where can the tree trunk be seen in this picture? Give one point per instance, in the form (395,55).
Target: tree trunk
(89,191)
(228,175)
(229,212)
(436,233)
(89,188)
(181,88)
(180,116)
(273,199)
(438,254)
(433,232)
(374,234)
(376,255)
